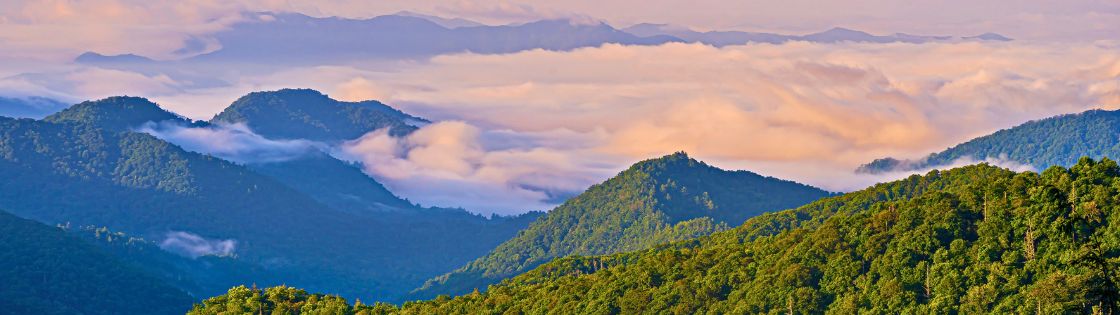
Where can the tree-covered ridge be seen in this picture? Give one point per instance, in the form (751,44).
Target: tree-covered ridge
(1054,141)
(976,239)
(46,271)
(308,114)
(653,202)
(114,113)
(78,167)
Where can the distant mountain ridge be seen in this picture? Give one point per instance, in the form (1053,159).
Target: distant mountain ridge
(653,202)
(1055,141)
(29,107)
(834,35)
(292,38)
(441,21)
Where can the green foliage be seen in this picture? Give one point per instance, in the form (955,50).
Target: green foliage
(284,300)
(976,239)
(45,271)
(653,202)
(308,114)
(1055,141)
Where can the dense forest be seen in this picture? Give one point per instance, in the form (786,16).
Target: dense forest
(1054,141)
(199,276)
(46,271)
(653,202)
(975,239)
(85,166)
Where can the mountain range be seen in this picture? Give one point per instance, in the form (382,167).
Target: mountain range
(87,165)
(1054,141)
(295,39)
(669,234)
(314,220)
(834,35)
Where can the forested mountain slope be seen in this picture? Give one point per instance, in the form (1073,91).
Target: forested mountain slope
(1054,141)
(86,166)
(976,239)
(653,202)
(46,271)
(199,276)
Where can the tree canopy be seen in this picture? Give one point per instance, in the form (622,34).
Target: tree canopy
(653,202)
(976,239)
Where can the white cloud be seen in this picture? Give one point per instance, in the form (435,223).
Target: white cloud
(192,245)
(230,142)
(449,164)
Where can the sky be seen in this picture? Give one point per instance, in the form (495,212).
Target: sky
(520,131)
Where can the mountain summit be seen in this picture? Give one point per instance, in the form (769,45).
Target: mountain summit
(653,202)
(308,114)
(115,113)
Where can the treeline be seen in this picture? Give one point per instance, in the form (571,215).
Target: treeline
(976,239)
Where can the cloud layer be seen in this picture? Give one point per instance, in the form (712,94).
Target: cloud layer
(832,106)
(452,163)
(230,142)
(521,129)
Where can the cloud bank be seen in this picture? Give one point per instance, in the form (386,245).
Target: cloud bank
(801,111)
(453,163)
(445,164)
(795,110)
(234,142)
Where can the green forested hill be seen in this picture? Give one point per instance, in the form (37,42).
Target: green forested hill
(974,240)
(653,202)
(45,271)
(116,113)
(1055,141)
(85,166)
(308,114)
